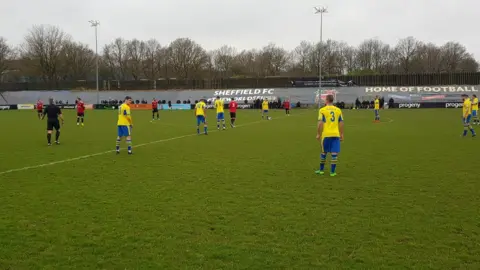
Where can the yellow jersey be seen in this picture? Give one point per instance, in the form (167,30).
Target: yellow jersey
(475,104)
(124,117)
(265,105)
(330,116)
(467,107)
(377,104)
(200,108)
(219,105)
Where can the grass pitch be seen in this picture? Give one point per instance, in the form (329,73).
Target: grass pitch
(406,195)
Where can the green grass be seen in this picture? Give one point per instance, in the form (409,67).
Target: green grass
(407,194)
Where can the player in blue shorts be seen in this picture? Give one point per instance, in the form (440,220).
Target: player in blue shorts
(467,115)
(330,132)
(376,108)
(475,119)
(201,116)
(220,112)
(125,124)
(265,109)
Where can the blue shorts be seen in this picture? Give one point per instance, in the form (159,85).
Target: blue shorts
(331,145)
(123,131)
(200,119)
(265,111)
(467,119)
(474,113)
(220,116)
(377,112)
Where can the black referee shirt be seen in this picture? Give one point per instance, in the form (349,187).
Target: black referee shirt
(52,112)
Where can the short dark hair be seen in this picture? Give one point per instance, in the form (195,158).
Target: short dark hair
(128,97)
(329,98)
(218,97)
(233,98)
(474,95)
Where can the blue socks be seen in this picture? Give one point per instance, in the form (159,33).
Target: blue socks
(333,163)
(323,159)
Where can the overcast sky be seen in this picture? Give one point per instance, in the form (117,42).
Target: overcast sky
(249,24)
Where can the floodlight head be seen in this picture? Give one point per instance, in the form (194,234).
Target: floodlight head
(320,10)
(94,23)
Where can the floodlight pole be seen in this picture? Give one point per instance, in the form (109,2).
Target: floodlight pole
(321,11)
(96,24)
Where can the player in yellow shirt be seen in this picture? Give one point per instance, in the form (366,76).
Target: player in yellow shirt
(265,109)
(377,109)
(476,121)
(201,115)
(220,112)
(124,125)
(330,133)
(467,115)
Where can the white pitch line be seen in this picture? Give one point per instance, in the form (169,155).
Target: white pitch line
(111,151)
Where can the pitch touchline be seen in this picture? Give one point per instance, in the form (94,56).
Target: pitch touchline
(111,151)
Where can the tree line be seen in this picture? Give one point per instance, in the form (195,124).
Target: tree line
(52,55)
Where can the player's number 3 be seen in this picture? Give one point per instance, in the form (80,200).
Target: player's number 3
(333,116)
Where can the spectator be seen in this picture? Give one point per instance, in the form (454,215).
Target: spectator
(391,103)
(358,104)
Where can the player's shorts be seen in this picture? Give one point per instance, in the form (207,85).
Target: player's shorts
(220,116)
(331,145)
(155,110)
(466,120)
(40,111)
(123,131)
(200,119)
(80,114)
(265,111)
(474,113)
(233,115)
(53,124)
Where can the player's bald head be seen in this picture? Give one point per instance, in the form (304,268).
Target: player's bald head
(50,100)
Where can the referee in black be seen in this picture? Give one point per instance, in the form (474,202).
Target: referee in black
(53,113)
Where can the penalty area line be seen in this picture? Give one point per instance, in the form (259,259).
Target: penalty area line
(112,151)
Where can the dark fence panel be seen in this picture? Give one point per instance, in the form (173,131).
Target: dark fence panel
(269,82)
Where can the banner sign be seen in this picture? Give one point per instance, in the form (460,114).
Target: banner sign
(428,105)
(140,107)
(423,89)
(66,106)
(409,105)
(5,107)
(244,94)
(304,95)
(25,106)
(175,107)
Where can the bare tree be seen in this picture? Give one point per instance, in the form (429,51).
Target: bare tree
(406,50)
(453,53)
(428,59)
(187,57)
(273,60)
(151,60)
(44,45)
(349,55)
(116,58)
(78,61)
(300,56)
(223,60)
(6,54)
(245,64)
(136,52)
